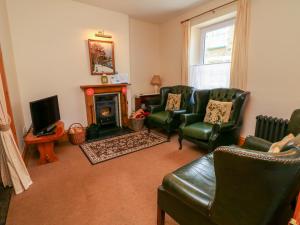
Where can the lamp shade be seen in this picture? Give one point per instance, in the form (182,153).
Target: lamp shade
(156,80)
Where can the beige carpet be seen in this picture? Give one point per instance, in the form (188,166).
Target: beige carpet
(121,191)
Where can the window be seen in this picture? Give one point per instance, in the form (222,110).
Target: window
(213,67)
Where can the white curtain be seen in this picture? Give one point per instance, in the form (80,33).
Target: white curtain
(210,76)
(186,27)
(240,46)
(13,170)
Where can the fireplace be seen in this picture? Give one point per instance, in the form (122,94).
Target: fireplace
(106,105)
(107,111)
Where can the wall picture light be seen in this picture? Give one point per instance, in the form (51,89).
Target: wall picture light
(102,34)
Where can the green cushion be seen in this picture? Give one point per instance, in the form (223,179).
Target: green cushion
(200,130)
(159,117)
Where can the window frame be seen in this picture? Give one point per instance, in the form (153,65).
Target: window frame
(207,29)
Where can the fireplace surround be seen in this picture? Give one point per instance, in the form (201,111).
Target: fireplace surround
(106,105)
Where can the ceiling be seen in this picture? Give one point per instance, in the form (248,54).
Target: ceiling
(155,11)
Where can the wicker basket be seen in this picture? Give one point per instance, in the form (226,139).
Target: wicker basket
(137,124)
(76,133)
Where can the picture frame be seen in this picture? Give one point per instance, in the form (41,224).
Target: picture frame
(104,79)
(102,59)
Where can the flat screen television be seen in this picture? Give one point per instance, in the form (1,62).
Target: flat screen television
(44,114)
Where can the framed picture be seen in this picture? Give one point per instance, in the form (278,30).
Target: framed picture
(104,79)
(102,60)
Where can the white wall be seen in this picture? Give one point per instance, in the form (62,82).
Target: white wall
(274,51)
(49,42)
(50,46)
(10,70)
(144,55)
(274,76)
(171,43)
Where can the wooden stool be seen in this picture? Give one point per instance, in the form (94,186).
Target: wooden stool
(45,144)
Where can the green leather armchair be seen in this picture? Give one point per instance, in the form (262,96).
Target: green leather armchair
(170,120)
(232,186)
(260,144)
(210,136)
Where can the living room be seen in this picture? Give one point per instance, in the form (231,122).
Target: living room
(47,50)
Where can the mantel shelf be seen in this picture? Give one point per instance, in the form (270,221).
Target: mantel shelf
(103,86)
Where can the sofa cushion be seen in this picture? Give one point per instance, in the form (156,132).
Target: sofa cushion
(217,112)
(159,117)
(194,183)
(173,102)
(200,130)
(278,146)
(186,94)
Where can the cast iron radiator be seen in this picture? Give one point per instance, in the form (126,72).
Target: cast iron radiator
(270,128)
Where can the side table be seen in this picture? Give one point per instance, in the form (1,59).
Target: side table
(45,144)
(146,99)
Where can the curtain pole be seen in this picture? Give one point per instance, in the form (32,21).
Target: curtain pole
(211,10)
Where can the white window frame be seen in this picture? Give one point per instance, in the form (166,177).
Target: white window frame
(208,29)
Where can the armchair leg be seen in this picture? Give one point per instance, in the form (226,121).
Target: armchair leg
(180,142)
(160,216)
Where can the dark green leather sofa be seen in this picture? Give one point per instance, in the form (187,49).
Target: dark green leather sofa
(232,186)
(208,136)
(170,120)
(260,144)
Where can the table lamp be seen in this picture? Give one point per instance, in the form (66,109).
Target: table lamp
(156,82)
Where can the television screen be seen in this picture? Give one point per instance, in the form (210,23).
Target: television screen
(44,113)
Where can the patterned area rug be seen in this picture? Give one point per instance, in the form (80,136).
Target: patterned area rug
(99,151)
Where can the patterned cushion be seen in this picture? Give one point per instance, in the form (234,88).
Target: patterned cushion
(186,93)
(217,112)
(294,143)
(173,102)
(278,146)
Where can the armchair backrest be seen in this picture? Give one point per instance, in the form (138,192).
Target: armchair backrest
(254,187)
(294,123)
(236,96)
(164,91)
(201,98)
(186,95)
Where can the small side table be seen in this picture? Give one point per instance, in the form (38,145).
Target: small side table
(147,99)
(45,144)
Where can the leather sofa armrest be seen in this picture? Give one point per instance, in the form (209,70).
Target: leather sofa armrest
(217,128)
(221,128)
(156,108)
(257,143)
(177,112)
(188,119)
